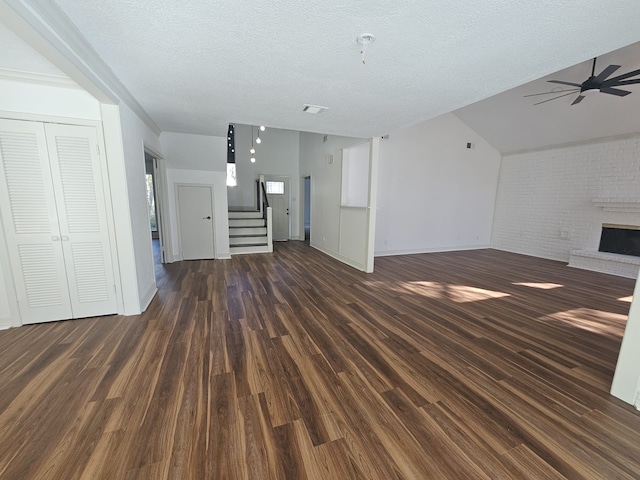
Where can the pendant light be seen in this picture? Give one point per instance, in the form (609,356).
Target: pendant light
(252,150)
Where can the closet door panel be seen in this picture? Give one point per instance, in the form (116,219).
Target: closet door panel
(29,218)
(77,180)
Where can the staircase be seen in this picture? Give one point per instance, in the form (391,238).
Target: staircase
(249,232)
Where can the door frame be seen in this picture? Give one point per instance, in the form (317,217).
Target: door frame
(303,206)
(161,196)
(274,177)
(177,211)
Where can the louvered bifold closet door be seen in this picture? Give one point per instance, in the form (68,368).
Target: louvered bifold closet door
(77,181)
(30,221)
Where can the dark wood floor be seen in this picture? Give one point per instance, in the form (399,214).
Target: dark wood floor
(478,364)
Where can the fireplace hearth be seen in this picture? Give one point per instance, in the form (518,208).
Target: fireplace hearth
(620,239)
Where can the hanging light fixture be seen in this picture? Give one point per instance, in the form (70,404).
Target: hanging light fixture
(261,128)
(252,150)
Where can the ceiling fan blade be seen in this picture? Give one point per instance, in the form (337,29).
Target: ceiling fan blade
(606,72)
(559,96)
(623,76)
(578,99)
(565,83)
(547,93)
(614,91)
(623,82)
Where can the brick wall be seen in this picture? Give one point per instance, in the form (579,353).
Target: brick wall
(544,202)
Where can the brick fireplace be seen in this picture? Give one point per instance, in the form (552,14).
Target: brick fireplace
(618,252)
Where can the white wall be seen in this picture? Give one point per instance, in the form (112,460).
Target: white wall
(197,159)
(17,55)
(278,154)
(626,381)
(51,100)
(135,136)
(325,186)
(546,195)
(435,194)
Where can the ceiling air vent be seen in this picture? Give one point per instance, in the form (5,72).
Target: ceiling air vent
(315,109)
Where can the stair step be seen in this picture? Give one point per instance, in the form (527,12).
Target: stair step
(242,231)
(237,215)
(242,249)
(248,240)
(246,222)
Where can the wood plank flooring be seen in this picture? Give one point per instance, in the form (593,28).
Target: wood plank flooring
(463,365)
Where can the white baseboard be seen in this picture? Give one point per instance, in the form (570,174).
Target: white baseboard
(339,257)
(459,248)
(6,324)
(148,296)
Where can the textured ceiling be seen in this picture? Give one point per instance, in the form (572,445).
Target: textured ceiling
(511,122)
(196,65)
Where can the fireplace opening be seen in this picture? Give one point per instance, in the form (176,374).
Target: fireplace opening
(622,239)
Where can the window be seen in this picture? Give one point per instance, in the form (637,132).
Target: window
(275,188)
(232,181)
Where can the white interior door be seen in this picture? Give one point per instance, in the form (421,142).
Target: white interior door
(79,194)
(30,220)
(54,215)
(195,212)
(277,189)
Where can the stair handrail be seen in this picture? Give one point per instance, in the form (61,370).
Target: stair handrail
(267,216)
(265,200)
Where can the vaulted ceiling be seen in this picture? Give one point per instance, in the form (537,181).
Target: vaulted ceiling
(196,65)
(512,122)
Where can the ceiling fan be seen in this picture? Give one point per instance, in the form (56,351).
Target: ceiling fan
(594,83)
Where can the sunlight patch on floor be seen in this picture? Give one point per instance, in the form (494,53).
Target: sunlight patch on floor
(542,286)
(425,289)
(463,293)
(597,321)
(628,299)
(457,293)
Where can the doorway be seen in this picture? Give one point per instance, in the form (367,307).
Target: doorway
(278,194)
(307,209)
(155,194)
(195,217)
